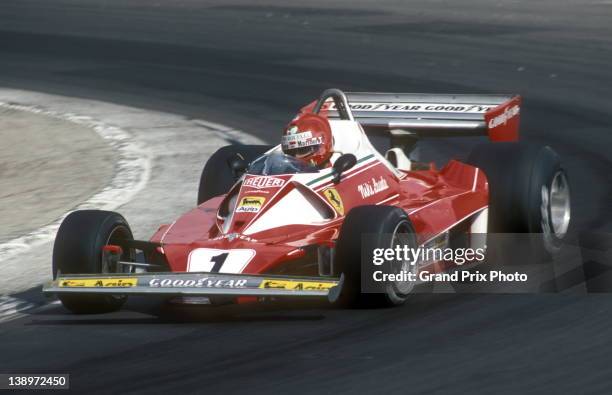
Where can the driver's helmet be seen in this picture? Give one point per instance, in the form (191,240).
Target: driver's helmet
(308,137)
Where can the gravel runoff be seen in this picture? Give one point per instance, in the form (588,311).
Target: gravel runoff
(119,152)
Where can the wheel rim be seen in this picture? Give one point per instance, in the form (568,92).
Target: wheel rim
(559,204)
(117,237)
(402,235)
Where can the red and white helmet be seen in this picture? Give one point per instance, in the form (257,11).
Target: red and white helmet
(308,137)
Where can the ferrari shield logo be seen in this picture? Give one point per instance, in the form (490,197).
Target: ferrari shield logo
(333,197)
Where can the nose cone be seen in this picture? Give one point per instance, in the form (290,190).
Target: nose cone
(255,195)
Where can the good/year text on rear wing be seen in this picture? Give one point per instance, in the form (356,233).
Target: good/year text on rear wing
(433,115)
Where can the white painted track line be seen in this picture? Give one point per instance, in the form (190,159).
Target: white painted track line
(157,168)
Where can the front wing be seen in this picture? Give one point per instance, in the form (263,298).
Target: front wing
(195,284)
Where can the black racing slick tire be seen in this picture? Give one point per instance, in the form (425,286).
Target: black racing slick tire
(383,227)
(78,250)
(528,192)
(217,176)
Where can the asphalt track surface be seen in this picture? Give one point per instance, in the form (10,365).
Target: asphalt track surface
(251,67)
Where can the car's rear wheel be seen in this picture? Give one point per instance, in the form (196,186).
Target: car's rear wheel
(217,176)
(381,227)
(78,250)
(528,192)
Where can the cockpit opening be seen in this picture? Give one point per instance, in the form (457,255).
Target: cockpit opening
(275,163)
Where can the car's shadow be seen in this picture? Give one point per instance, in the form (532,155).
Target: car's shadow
(147,312)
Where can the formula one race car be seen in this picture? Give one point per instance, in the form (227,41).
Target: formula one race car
(268,225)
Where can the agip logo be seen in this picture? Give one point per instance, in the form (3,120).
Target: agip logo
(123,282)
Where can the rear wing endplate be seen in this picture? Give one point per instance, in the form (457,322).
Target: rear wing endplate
(433,115)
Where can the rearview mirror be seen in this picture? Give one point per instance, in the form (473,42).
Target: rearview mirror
(341,165)
(237,164)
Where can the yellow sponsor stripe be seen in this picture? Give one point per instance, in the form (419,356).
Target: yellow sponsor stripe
(296,285)
(98,282)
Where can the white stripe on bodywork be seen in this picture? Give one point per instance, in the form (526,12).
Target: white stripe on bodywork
(475,180)
(456,223)
(388,199)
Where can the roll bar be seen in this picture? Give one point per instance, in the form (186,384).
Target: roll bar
(341,101)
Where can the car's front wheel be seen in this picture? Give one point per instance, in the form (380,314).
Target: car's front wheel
(78,250)
(365,229)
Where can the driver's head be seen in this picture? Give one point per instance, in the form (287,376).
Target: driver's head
(308,137)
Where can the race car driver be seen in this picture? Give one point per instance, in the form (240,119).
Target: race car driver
(309,137)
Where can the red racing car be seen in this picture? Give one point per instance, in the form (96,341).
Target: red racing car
(271,225)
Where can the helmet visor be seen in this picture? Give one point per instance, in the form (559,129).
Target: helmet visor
(301,152)
(301,145)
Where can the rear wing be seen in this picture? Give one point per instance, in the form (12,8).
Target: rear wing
(431,115)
